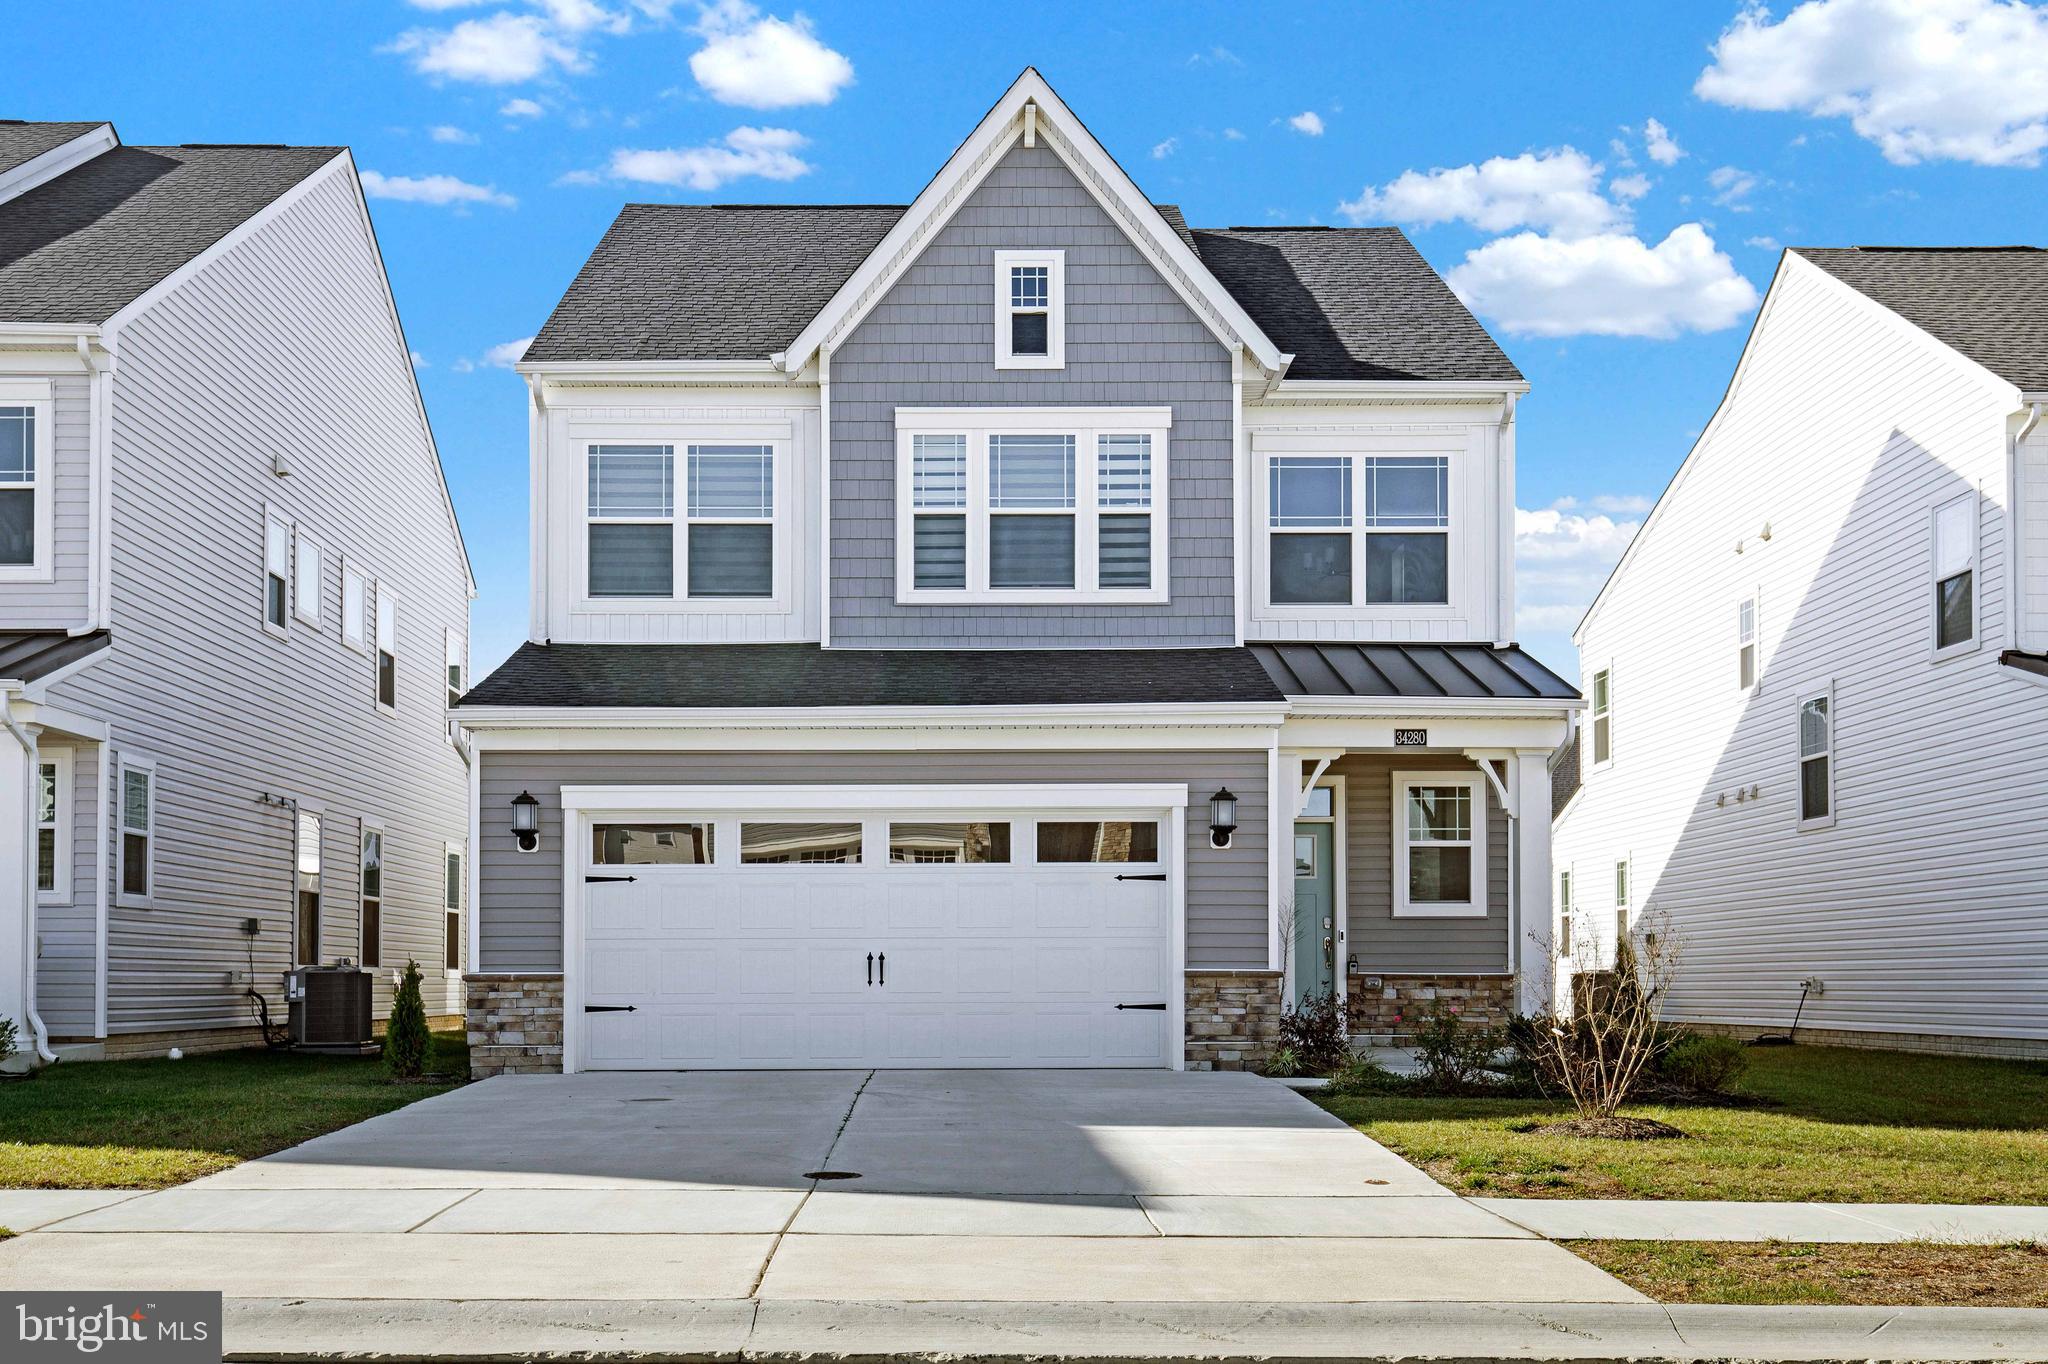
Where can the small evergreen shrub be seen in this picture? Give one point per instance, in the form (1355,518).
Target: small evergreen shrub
(1708,1064)
(10,1036)
(1451,1055)
(405,1036)
(1314,1031)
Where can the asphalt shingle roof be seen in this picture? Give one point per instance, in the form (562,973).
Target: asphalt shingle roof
(23,142)
(745,675)
(83,246)
(1990,303)
(1352,303)
(692,282)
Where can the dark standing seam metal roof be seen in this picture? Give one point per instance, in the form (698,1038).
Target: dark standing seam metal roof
(740,281)
(83,246)
(1990,303)
(1411,671)
(22,142)
(26,655)
(773,675)
(1352,303)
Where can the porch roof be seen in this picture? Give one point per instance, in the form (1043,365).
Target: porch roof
(26,655)
(1477,671)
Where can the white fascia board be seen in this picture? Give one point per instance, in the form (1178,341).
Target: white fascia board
(719,372)
(1031,418)
(1397,707)
(64,156)
(971,162)
(1056,796)
(1394,390)
(483,719)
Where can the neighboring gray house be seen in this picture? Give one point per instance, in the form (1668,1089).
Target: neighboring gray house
(1013,629)
(233,597)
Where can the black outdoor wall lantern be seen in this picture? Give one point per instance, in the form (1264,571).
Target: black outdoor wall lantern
(1222,817)
(526,821)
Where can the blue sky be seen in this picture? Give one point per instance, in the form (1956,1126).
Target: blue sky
(1619,260)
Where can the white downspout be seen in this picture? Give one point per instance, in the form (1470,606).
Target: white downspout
(28,873)
(1504,525)
(825,497)
(2015,548)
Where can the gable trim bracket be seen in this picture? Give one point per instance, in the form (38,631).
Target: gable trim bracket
(1030,111)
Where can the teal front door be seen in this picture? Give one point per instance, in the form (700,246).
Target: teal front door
(1315,927)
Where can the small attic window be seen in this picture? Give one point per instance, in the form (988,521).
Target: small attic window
(1030,320)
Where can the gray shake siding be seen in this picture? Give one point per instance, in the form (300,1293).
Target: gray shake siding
(930,342)
(283,345)
(522,892)
(1382,943)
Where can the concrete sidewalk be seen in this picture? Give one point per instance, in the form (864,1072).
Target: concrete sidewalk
(856,1333)
(1593,1219)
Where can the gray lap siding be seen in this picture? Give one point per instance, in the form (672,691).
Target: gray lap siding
(1130,341)
(521,893)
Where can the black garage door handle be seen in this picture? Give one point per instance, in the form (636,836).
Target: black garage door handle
(611,1008)
(1141,1006)
(1144,876)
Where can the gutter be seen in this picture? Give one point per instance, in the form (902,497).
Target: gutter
(8,692)
(2016,549)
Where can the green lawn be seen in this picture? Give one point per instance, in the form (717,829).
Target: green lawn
(1782,1273)
(1836,1125)
(149,1124)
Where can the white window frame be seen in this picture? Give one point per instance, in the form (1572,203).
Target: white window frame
(1800,757)
(460,851)
(1936,650)
(62,852)
(455,664)
(1595,714)
(1566,914)
(782,568)
(1055,263)
(1754,643)
(36,395)
(1474,908)
(380,594)
(135,762)
(1360,447)
(275,520)
(360,618)
(306,595)
(300,957)
(367,826)
(1085,425)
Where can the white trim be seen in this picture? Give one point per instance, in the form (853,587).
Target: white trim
(1755,643)
(65,156)
(299,955)
(1055,266)
(824,542)
(62,851)
(472,878)
(302,600)
(276,520)
(455,848)
(379,595)
(1253,714)
(1393,390)
(1098,172)
(38,396)
(365,826)
(1938,652)
(454,654)
(102,877)
(1800,757)
(1475,784)
(135,762)
(1057,420)
(360,618)
(1592,761)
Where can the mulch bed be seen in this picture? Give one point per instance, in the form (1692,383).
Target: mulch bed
(1612,1129)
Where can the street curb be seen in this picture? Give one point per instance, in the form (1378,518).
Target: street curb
(699,1331)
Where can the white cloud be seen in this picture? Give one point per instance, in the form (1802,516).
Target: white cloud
(1925,80)
(766,153)
(439,190)
(1215,56)
(1562,557)
(1661,146)
(1162,150)
(504,355)
(418,361)
(1307,121)
(1232,135)
(1764,243)
(444,4)
(1554,190)
(502,49)
(1629,187)
(521,108)
(579,16)
(1732,187)
(761,62)
(447,132)
(1609,284)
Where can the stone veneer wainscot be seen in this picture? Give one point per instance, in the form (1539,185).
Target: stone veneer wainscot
(1233,1018)
(1389,1012)
(515,1025)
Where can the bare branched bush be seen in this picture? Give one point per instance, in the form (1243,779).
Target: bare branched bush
(1597,1047)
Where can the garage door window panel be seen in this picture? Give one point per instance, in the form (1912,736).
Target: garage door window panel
(653,845)
(968,844)
(800,844)
(1097,840)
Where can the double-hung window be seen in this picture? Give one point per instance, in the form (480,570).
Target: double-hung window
(305,578)
(1954,566)
(1030,313)
(25,481)
(1439,844)
(53,825)
(355,607)
(373,894)
(726,530)
(1564,912)
(1063,505)
(308,878)
(1817,760)
(387,648)
(452,656)
(138,832)
(1621,903)
(277,571)
(1600,733)
(1745,644)
(451,906)
(1343,529)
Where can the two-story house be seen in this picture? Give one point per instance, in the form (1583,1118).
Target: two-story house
(1011,629)
(1816,748)
(233,598)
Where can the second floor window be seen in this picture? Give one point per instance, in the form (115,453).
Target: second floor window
(309,888)
(1955,573)
(387,648)
(1030,310)
(724,541)
(1817,760)
(1600,733)
(277,571)
(1347,529)
(24,493)
(1745,644)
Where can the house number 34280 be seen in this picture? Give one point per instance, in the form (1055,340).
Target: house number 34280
(1411,738)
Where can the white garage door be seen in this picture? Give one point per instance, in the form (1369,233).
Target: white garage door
(975,935)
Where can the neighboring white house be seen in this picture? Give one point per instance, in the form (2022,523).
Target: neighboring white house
(233,598)
(1011,629)
(1816,745)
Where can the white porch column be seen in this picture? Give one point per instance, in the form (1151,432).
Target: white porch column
(1529,776)
(15,850)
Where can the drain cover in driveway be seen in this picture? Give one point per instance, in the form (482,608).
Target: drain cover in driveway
(830,1174)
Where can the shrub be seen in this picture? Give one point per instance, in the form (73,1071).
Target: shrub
(405,1037)
(1284,1063)
(1314,1031)
(1708,1064)
(1360,1075)
(10,1036)
(1598,1051)
(1451,1055)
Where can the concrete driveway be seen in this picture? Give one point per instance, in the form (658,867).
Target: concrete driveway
(887,1186)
